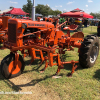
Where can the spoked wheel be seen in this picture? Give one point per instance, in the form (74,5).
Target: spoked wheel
(8,68)
(89,51)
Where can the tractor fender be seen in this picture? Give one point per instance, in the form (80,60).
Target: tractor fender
(77,36)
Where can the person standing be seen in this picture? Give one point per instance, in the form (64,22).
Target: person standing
(63,20)
(85,22)
(60,21)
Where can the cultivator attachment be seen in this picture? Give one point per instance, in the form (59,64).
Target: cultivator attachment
(50,59)
(33,52)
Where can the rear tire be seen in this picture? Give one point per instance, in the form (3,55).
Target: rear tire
(89,51)
(98,31)
(7,66)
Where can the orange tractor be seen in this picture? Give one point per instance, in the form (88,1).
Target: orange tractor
(3,28)
(40,37)
(0,23)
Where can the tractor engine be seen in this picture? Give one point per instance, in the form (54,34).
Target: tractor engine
(22,31)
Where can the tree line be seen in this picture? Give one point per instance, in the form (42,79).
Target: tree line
(95,15)
(45,10)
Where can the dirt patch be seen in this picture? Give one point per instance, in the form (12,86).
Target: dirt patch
(39,92)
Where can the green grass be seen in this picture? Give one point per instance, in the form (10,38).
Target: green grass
(83,85)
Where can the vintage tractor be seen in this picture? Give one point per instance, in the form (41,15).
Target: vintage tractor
(3,28)
(0,23)
(39,37)
(52,20)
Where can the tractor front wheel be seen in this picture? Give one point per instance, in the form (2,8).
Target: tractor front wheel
(89,51)
(8,68)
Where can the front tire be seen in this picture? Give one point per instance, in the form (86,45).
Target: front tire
(8,69)
(89,51)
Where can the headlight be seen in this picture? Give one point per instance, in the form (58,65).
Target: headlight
(24,26)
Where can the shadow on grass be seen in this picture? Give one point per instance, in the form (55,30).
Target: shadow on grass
(35,62)
(97,74)
(16,88)
(36,68)
(35,81)
(64,56)
(38,63)
(9,83)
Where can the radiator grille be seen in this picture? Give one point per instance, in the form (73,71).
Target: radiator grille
(12,33)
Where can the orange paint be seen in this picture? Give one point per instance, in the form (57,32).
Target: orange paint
(14,69)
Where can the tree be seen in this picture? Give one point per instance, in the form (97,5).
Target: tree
(45,10)
(95,15)
(28,7)
(56,12)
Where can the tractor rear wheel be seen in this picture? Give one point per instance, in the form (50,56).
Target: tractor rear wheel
(89,51)
(8,69)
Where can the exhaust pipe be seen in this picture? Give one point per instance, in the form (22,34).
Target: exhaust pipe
(33,11)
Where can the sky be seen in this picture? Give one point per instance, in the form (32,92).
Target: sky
(63,5)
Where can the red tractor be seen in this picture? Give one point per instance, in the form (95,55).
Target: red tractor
(40,37)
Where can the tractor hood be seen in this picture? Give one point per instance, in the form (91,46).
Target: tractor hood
(31,24)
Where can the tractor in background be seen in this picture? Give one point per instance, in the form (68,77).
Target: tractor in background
(4,28)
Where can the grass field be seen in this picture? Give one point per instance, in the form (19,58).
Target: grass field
(83,85)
